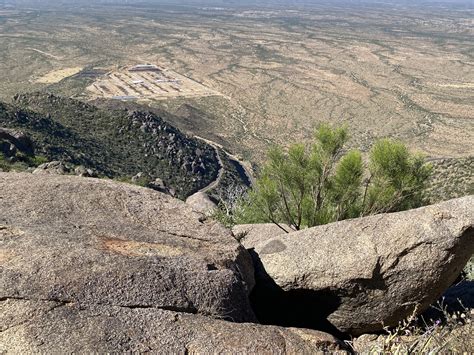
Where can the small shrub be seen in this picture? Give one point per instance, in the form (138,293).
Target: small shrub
(451,334)
(322,183)
(230,201)
(142,181)
(37,160)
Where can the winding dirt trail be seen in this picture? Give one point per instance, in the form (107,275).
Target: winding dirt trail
(248,171)
(218,147)
(216,182)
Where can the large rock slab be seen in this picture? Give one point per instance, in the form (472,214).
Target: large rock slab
(54,327)
(357,275)
(91,241)
(200,202)
(251,234)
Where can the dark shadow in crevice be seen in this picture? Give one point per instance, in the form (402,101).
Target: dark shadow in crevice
(457,298)
(295,308)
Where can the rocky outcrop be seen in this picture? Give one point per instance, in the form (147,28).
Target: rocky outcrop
(13,142)
(54,327)
(90,265)
(62,168)
(94,242)
(358,275)
(159,185)
(201,203)
(54,167)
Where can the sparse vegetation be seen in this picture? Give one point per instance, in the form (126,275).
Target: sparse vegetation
(9,165)
(231,204)
(451,178)
(385,72)
(450,334)
(20,162)
(114,143)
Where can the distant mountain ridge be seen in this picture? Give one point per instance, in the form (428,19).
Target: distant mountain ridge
(115,143)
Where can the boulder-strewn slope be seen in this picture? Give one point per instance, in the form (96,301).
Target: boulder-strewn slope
(115,143)
(90,241)
(363,273)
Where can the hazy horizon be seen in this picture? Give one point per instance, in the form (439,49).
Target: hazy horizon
(469,3)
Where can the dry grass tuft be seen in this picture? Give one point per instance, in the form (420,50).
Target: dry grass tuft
(452,332)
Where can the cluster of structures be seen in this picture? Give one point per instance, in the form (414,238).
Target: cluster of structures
(146,81)
(144,67)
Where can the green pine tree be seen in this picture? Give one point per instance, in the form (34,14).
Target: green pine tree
(319,184)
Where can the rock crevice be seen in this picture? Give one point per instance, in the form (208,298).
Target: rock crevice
(374,271)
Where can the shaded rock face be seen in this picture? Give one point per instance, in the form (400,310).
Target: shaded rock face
(12,141)
(457,298)
(53,327)
(460,296)
(355,276)
(88,241)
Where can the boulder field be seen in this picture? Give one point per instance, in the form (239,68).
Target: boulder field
(357,276)
(93,265)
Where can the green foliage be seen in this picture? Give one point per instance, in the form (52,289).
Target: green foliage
(20,162)
(296,188)
(220,214)
(37,160)
(308,186)
(232,205)
(397,178)
(142,181)
(346,185)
